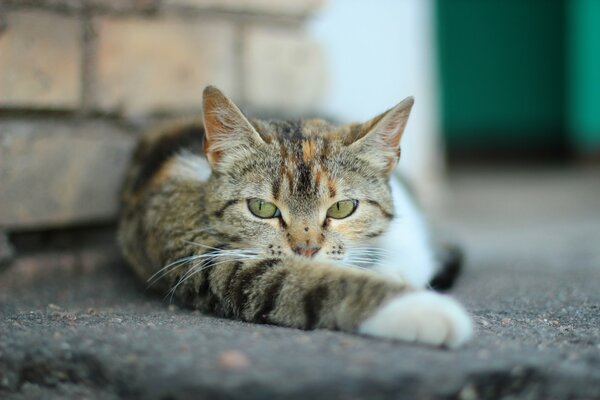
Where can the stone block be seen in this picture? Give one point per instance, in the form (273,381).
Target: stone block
(279,7)
(94,5)
(283,70)
(40,61)
(54,173)
(161,65)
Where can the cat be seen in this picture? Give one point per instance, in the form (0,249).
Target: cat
(294,223)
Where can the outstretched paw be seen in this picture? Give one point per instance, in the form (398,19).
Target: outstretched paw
(421,317)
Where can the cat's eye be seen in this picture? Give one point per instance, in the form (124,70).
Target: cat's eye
(342,209)
(263,209)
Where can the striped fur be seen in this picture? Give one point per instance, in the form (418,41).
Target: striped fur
(194,236)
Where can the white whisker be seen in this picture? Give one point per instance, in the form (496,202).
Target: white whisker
(347,264)
(165,270)
(207,229)
(214,253)
(370,250)
(179,263)
(198,267)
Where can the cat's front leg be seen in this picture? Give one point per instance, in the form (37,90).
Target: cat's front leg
(306,294)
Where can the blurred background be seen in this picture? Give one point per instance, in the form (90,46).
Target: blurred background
(503,83)
(503,147)
(513,82)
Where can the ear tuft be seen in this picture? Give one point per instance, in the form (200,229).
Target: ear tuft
(210,90)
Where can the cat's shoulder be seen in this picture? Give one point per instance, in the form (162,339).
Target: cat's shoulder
(160,144)
(169,135)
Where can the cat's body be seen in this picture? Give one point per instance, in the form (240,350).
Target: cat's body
(292,223)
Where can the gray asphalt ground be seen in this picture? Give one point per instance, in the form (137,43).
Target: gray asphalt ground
(75,324)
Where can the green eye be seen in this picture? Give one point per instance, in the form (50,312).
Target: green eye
(263,209)
(342,209)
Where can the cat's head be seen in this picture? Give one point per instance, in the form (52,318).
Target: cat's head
(300,187)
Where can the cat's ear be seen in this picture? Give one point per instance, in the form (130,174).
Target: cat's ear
(227,131)
(379,138)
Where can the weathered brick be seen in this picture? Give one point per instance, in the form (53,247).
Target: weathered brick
(157,65)
(55,174)
(122,5)
(40,61)
(283,70)
(78,5)
(283,7)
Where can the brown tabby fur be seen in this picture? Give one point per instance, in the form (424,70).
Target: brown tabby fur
(303,166)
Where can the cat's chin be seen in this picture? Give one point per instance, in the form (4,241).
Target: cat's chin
(421,317)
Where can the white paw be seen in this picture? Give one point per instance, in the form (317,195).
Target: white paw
(422,317)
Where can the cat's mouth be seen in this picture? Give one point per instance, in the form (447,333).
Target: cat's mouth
(306,251)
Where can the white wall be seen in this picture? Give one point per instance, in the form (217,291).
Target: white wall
(380,51)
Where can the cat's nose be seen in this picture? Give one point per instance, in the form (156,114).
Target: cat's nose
(306,251)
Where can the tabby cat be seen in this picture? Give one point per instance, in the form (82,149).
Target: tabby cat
(294,223)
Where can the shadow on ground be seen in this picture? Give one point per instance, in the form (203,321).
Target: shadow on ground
(75,324)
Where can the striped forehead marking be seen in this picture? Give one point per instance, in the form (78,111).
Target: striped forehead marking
(304,149)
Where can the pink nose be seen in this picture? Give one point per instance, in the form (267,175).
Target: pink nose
(306,251)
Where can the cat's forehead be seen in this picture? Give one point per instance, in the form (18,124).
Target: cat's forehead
(303,147)
(308,162)
(286,131)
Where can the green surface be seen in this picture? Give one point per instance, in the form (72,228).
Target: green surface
(584,74)
(502,73)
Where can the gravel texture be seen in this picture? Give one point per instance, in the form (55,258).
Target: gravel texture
(75,323)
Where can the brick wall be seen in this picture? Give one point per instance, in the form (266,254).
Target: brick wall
(80,78)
